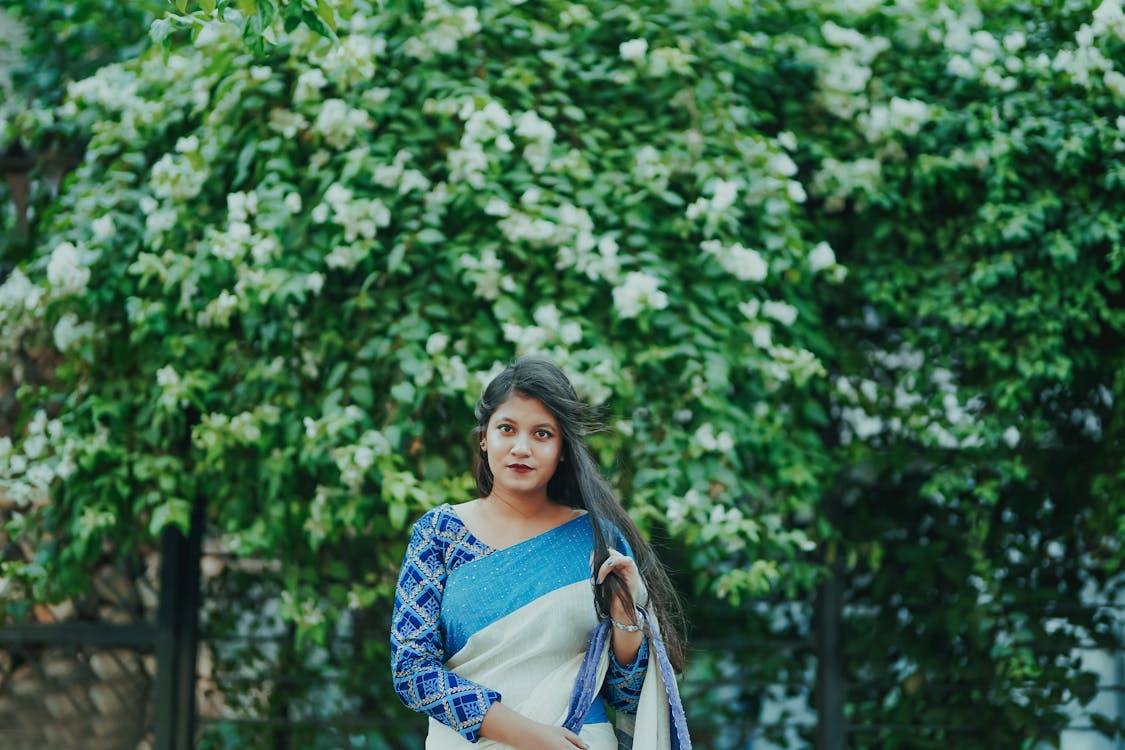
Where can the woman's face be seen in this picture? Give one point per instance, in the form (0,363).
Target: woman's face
(524,446)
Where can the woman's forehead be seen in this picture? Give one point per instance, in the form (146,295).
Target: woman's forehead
(520,407)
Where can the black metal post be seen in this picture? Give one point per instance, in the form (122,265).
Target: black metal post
(177,637)
(831,697)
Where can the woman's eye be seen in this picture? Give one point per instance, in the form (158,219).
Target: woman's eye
(505,428)
(542,434)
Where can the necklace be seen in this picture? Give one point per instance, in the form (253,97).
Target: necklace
(516,510)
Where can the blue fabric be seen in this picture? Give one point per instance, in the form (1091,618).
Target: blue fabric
(583,686)
(623,681)
(417,650)
(503,581)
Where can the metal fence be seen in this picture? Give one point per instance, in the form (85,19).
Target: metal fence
(111,671)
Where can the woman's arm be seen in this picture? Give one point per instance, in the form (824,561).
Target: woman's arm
(629,664)
(511,728)
(417,648)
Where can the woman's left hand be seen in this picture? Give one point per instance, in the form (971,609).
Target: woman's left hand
(625,568)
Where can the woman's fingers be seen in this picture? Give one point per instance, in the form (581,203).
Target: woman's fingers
(622,566)
(574,739)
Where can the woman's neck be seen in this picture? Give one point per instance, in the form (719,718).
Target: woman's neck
(526,508)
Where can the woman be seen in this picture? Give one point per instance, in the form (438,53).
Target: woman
(494,608)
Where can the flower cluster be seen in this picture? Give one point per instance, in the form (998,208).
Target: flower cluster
(716,206)
(638,291)
(486,272)
(538,135)
(443,27)
(484,125)
(845,68)
(179,177)
(44,453)
(741,262)
(339,123)
(549,330)
(68,269)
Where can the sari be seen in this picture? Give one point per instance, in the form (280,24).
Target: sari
(473,625)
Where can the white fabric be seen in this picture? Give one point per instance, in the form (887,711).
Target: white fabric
(520,655)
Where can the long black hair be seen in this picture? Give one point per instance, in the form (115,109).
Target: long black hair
(578,483)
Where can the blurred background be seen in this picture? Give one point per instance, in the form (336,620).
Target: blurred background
(844,278)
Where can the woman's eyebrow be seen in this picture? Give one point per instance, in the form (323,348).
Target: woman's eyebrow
(505,418)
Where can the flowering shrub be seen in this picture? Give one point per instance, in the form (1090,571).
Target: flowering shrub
(803,259)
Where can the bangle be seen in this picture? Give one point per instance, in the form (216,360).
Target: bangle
(630,628)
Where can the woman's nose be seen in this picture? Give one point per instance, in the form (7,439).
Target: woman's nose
(520,445)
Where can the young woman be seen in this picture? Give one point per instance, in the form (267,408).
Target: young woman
(524,616)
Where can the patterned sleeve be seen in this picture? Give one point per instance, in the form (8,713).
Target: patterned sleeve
(622,687)
(417,646)
(623,683)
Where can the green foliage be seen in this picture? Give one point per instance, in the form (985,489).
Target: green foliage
(844,275)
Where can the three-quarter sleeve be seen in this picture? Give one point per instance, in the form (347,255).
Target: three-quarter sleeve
(417,647)
(622,686)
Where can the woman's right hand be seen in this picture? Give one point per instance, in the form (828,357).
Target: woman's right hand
(516,730)
(547,737)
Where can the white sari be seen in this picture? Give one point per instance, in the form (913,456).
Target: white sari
(516,622)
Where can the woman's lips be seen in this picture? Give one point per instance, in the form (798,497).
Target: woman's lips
(520,468)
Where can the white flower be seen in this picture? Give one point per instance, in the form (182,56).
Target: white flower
(293,202)
(548,316)
(309,84)
(838,36)
(527,339)
(103,227)
(344,257)
(908,115)
(633,50)
(762,336)
(782,312)
(338,122)
(663,60)
(167,377)
(1014,41)
(69,332)
(1115,82)
(444,27)
(723,195)
(65,271)
(531,126)
(188,144)
(176,178)
(1011,436)
(846,75)
(707,440)
(486,272)
(314,282)
(497,207)
(286,122)
(638,291)
(960,67)
(241,206)
(570,333)
(745,264)
(821,257)
(18,294)
(436,343)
